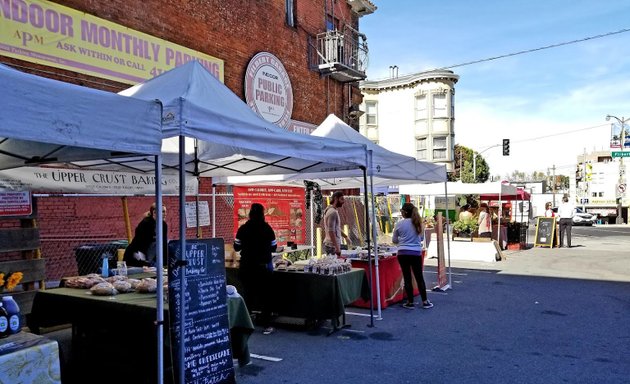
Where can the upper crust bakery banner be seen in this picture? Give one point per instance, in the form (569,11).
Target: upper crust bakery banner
(284,209)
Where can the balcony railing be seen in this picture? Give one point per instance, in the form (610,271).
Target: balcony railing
(341,55)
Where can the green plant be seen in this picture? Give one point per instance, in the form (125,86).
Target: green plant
(468,225)
(428,219)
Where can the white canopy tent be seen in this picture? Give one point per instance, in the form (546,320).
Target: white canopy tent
(231,139)
(501,190)
(48,121)
(459,188)
(385,168)
(224,136)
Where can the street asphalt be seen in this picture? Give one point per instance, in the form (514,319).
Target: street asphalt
(540,316)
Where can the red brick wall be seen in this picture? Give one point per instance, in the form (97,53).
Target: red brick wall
(234,31)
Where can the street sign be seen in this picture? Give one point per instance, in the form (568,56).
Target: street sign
(620,154)
(621,188)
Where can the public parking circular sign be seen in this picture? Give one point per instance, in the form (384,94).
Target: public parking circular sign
(268,89)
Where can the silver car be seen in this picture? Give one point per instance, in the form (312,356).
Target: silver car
(581,217)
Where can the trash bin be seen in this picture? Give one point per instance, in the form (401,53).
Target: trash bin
(89,256)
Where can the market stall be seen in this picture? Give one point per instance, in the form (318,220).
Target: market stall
(469,250)
(46,121)
(385,167)
(126,316)
(312,296)
(231,138)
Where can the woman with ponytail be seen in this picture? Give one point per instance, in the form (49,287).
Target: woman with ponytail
(408,236)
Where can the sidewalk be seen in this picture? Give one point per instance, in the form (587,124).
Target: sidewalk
(589,258)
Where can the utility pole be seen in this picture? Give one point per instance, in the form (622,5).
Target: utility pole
(553,185)
(621,184)
(585,183)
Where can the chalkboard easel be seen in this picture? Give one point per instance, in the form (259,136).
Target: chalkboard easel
(545,232)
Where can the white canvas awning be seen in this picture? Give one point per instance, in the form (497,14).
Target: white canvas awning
(48,121)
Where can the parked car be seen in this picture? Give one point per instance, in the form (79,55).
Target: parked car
(581,217)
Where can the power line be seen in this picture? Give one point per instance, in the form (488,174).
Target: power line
(536,49)
(561,133)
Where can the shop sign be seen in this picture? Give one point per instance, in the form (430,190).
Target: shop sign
(191,214)
(285,208)
(46,33)
(62,180)
(440,202)
(15,203)
(268,89)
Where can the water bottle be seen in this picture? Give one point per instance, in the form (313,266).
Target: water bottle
(4,322)
(105,267)
(13,313)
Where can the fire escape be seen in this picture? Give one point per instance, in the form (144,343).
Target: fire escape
(342,55)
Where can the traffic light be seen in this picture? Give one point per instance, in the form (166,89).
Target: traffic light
(506,147)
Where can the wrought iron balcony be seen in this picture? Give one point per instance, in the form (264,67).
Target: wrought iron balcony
(341,55)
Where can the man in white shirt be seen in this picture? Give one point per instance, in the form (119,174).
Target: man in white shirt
(566,211)
(332,225)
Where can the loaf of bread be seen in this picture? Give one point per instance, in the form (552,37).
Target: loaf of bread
(103,289)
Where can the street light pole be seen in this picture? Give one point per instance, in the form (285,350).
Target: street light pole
(475,160)
(622,169)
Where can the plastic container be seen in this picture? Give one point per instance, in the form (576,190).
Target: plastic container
(13,312)
(4,322)
(105,267)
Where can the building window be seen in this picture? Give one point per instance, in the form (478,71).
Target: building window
(439,148)
(439,105)
(290,8)
(452,104)
(370,113)
(421,148)
(421,107)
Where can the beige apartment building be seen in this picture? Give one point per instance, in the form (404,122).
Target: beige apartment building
(412,114)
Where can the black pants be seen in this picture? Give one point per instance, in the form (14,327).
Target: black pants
(565,226)
(257,293)
(409,264)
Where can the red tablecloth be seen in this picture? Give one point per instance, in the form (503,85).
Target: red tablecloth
(390,275)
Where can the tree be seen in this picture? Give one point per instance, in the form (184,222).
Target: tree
(463,168)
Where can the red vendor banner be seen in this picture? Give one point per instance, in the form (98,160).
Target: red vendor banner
(285,208)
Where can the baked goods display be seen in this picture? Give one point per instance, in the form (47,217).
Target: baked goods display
(123,286)
(114,285)
(84,282)
(328,265)
(147,285)
(103,289)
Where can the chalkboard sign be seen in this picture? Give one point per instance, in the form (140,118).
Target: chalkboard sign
(545,231)
(208,355)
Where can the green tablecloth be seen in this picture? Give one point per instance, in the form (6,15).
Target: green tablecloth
(312,296)
(131,312)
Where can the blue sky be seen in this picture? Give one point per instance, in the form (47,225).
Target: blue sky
(542,94)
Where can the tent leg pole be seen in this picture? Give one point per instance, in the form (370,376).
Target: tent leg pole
(159,261)
(378,280)
(367,232)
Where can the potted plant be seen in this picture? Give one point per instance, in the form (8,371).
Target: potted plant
(465,227)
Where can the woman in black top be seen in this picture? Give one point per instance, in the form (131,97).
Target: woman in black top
(256,241)
(141,251)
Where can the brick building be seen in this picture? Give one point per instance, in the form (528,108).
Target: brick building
(317,42)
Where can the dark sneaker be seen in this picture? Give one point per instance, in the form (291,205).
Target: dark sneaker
(268,331)
(408,306)
(427,304)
